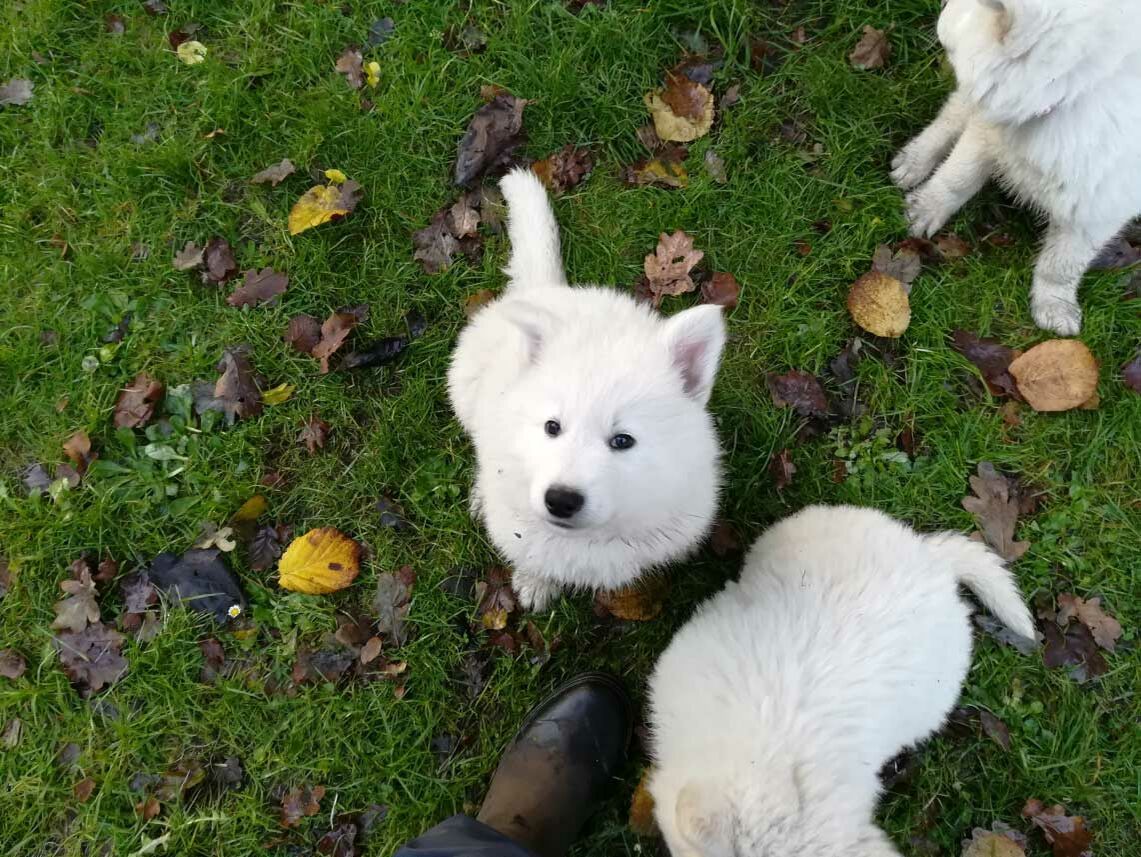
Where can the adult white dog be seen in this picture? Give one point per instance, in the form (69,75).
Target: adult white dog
(1049,102)
(596,458)
(774,708)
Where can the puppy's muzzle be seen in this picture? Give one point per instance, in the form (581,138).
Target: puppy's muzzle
(562,502)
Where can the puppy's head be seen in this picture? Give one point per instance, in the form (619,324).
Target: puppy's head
(611,434)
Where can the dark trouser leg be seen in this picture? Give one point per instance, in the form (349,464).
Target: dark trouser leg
(461,836)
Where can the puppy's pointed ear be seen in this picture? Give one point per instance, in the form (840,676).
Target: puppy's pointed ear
(704,819)
(695,339)
(533,323)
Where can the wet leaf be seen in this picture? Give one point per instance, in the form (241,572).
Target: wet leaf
(91,658)
(495,599)
(259,287)
(641,601)
(992,358)
(201,581)
(872,51)
(492,137)
(799,390)
(993,628)
(642,821)
(17,91)
(313,434)
(435,244)
(878,303)
(1056,375)
(782,469)
(303,333)
(12,664)
(1104,628)
(275,174)
(995,508)
(391,603)
(300,803)
(565,169)
(189,257)
(83,789)
(951,246)
(463,218)
(376,353)
(321,561)
(1066,834)
(668,267)
(350,64)
(136,403)
(324,204)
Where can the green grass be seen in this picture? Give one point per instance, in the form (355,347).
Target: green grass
(69,171)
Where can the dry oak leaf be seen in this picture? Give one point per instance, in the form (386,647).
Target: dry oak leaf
(259,287)
(694,99)
(1105,629)
(321,561)
(189,257)
(276,174)
(872,51)
(1067,834)
(989,843)
(322,204)
(91,658)
(78,608)
(642,820)
(299,803)
(721,289)
(878,303)
(236,392)
(136,403)
(351,64)
(995,509)
(668,267)
(639,602)
(313,434)
(1056,375)
(564,169)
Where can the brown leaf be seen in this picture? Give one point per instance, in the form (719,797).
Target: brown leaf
(1066,834)
(667,170)
(83,789)
(648,137)
(266,545)
(782,469)
(995,729)
(642,821)
(495,599)
(904,265)
(872,51)
(10,736)
(5,577)
(992,843)
(463,217)
(370,651)
(136,403)
(219,260)
(351,64)
(78,608)
(721,289)
(391,603)
(78,449)
(276,174)
(259,287)
(148,808)
(1131,373)
(91,658)
(800,390)
(189,257)
(17,91)
(476,301)
(1105,629)
(1056,375)
(236,392)
(435,244)
(492,136)
(668,267)
(951,246)
(685,97)
(334,331)
(995,508)
(724,539)
(12,664)
(564,169)
(313,434)
(693,116)
(303,333)
(299,803)
(641,601)
(1070,644)
(992,358)
(878,303)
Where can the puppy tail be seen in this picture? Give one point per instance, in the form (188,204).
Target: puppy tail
(535,257)
(981,571)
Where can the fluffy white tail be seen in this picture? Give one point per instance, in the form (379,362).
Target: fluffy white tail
(535,257)
(981,571)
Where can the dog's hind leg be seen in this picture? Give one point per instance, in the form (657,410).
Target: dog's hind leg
(919,158)
(1066,254)
(535,257)
(960,177)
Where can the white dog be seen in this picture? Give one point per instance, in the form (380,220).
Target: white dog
(596,457)
(1048,101)
(774,708)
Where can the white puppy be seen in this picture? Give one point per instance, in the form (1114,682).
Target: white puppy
(1047,101)
(774,708)
(596,457)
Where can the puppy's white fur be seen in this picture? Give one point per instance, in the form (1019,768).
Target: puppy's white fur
(774,708)
(1047,100)
(600,364)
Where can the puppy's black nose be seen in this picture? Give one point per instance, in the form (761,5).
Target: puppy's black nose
(563,502)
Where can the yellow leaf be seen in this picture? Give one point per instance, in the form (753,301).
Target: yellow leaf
(191,52)
(372,74)
(323,203)
(277,395)
(679,129)
(336,176)
(879,304)
(319,562)
(1057,375)
(250,510)
(639,602)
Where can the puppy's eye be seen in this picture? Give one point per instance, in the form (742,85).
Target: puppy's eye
(552,428)
(621,441)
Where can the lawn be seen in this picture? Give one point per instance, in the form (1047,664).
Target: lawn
(92,219)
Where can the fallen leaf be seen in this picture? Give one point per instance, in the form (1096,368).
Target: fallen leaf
(266,546)
(17,91)
(78,608)
(872,51)
(994,729)
(376,353)
(435,244)
(904,264)
(641,601)
(275,174)
(667,170)
(259,287)
(1071,645)
(715,166)
(391,603)
(988,843)
(721,289)
(682,111)
(878,303)
(642,821)
(565,169)
(380,31)
(148,808)
(1066,834)
(492,137)
(800,390)
(299,803)
(213,536)
(495,599)
(12,664)
(279,394)
(370,651)
(191,52)
(782,469)
(321,561)
(669,266)
(136,403)
(476,301)
(218,257)
(724,539)
(1131,373)
(1105,629)
(235,394)
(334,331)
(1056,375)
(303,333)
(189,257)
(992,627)
(350,64)
(119,331)
(951,246)
(463,217)
(992,358)
(91,658)
(313,434)
(686,98)
(324,204)
(78,449)
(995,508)
(201,581)
(83,789)
(5,577)
(465,41)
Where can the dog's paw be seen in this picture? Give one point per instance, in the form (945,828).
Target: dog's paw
(1056,314)
(534,593)
(911,166)
(927,209)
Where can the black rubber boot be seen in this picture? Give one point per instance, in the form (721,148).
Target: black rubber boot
(562,761)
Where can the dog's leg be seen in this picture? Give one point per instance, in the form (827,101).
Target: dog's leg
(919,158)
(1066,254)
(535,256)
(960,177)
(535,592)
